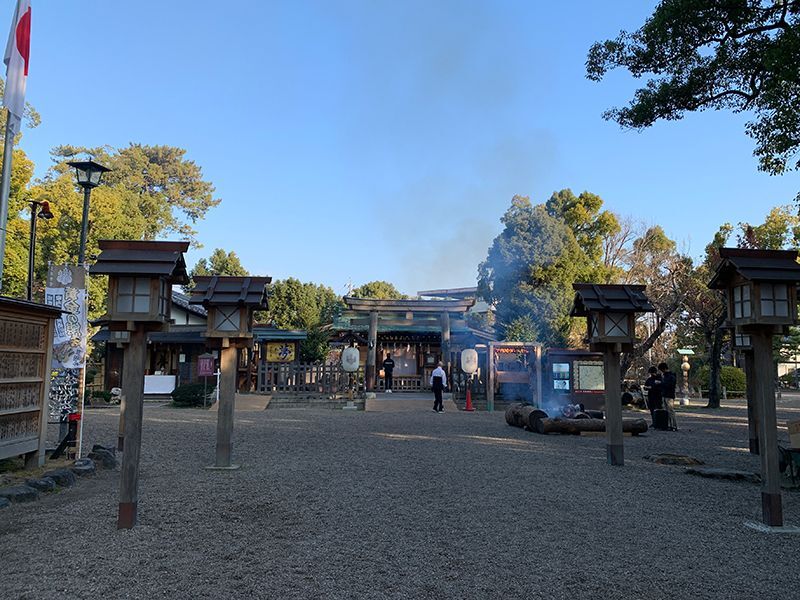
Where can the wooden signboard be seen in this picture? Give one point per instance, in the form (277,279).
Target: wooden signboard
(280,352)
(26,334)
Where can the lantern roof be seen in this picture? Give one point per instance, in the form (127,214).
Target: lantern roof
(592,297)
(131,258)
(213,290)
(756,265)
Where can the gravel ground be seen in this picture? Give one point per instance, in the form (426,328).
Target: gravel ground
(336,504)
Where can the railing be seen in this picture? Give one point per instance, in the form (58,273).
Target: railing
(405,383)
(307,378)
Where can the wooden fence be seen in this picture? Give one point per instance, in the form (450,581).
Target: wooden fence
(307,378)
(405,383)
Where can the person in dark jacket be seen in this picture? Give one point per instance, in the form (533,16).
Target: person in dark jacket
(653,387)
(388,369)
(668,383)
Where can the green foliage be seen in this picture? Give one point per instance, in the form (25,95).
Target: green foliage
(307,306)
(379,290)
(170,191)
(190,394)
(731,378)
(590,225)
(97,395)
(780,229)
(153,191)
(315,347)
(529,272)
(219,263)
(740,55)
(297,305)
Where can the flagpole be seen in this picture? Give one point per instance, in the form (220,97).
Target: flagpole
(5,185)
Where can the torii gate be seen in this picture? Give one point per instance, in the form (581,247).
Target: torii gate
(400,313)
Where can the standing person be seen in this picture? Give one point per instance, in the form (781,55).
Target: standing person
(388,369)
(653,387)
(438,383)
(668,383)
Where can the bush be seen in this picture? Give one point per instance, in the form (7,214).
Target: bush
(190,394)
(731,378)
(100,395)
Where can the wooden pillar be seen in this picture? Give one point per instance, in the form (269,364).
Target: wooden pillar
(227,394)
(537,357)
(121,432)
(445,320)
(764,386)
(133,389)
(614,447)
(372,347)
(752,405)
(490,378)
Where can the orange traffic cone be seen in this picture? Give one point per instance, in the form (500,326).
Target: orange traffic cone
(469,406)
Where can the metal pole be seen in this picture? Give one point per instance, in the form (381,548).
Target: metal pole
(12,124)
(87,192)
(32,249)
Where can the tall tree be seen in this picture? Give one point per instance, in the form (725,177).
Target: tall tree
(653,260)
(170,190)
(528,274)
(219,263)
(379,290)
(590,225)
(740,55)
(297,305)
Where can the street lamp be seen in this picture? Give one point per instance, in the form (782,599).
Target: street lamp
(88,174)
(43,207)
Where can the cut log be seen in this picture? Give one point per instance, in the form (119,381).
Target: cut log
(512,415)
(524,415)
(576,426)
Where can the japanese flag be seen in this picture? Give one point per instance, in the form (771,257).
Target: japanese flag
(17,57)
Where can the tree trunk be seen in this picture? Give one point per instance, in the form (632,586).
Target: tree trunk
(715,363)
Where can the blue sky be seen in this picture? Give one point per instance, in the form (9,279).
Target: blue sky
(357,140)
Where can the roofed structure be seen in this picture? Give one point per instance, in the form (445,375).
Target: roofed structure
(136,257)
(590,297)
(755,265)
(230,291)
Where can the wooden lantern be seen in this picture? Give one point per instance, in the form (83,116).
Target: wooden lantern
(230,302)
(140,279)
(610,312)
(760,289)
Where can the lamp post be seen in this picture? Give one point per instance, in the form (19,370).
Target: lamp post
(43,208)
(88,173)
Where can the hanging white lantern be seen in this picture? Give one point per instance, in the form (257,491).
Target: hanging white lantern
(469,360)
(350,359)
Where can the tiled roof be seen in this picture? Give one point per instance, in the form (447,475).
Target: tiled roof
(227,291)
(756,265)
(133,257)
(591,297)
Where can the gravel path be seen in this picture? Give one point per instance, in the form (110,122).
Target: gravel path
(405,505)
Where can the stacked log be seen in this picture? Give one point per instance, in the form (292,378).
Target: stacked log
(576,426)
(524,415)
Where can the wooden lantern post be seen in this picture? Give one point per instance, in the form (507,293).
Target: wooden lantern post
(230,302)
(140,278)
(761,292)
(610,312)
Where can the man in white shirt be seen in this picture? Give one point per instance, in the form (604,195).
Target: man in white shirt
(438,383)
